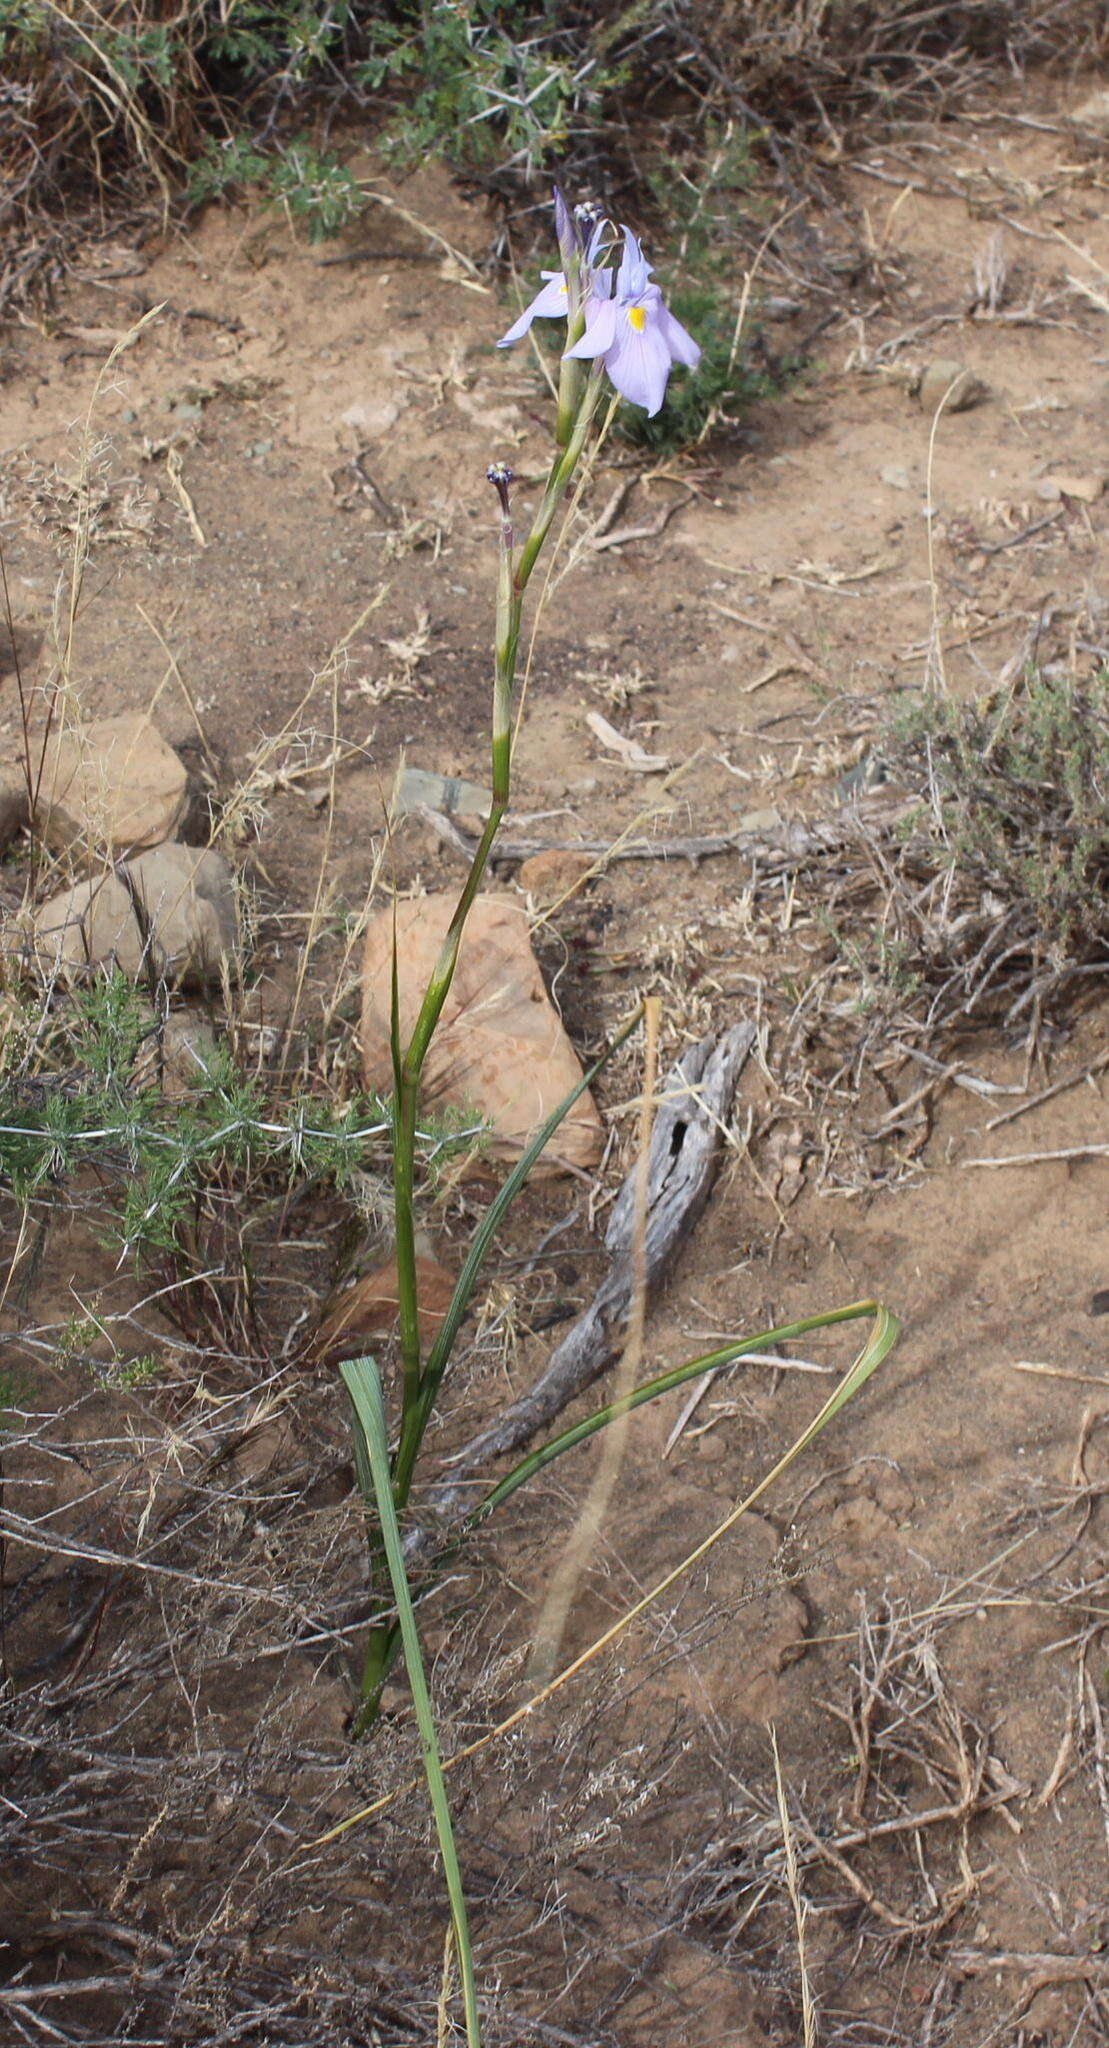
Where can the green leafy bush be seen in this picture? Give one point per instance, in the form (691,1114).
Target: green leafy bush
(317,190)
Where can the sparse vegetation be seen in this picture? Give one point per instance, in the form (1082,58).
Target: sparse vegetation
(1017,806)
(994,903)
(255,1600)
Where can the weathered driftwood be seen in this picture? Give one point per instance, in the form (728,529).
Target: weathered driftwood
(686,1143)
(776,849)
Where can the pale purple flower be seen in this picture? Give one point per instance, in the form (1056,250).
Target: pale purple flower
(552,302)
(634,334)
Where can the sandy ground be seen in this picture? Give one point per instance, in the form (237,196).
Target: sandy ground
(332,412)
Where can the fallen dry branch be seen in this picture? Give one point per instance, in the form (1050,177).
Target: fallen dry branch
(686,1144)
(776,849)
(1067,1152)
(1042,1969)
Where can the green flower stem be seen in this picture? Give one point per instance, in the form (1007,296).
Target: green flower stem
(578,395)
(579,392)
(383,1641)
(561,472)
(404,1149)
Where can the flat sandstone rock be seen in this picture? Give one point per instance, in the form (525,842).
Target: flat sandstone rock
(500,1051)
(113,784)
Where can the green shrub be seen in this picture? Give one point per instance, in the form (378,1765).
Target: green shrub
(317,190)
(86,1106)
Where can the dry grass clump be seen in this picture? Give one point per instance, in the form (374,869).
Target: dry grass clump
(91,96)
(960,904)
(886,57)
(992,886)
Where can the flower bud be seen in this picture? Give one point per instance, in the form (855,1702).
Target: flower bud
(501,477)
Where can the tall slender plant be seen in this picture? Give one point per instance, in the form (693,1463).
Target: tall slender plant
(618,328)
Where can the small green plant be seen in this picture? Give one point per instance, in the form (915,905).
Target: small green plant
(84,1098)
(700,203)
(316,191)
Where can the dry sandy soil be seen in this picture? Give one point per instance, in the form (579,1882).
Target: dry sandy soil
(929,1589)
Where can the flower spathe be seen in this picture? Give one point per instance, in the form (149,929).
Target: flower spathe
(634,334)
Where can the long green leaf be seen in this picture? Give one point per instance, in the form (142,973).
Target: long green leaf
(885,1336)
(887,1329)
(886,1332)
(879,1344)
(364,1387)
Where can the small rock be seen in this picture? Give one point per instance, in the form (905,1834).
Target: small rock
(768,820)
(372,417)
(948,383)
(15,1030)
(178,916)
(450,794)
(185,1052)
(1070,484)
(552,874)
(368,1312)
(896,476)
(14,811)
(114,783)
(500,1052)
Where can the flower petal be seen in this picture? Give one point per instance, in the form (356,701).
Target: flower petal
(596,243)
(600,328)
(548,304)
(631,282)
(638,364)
(678,340)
